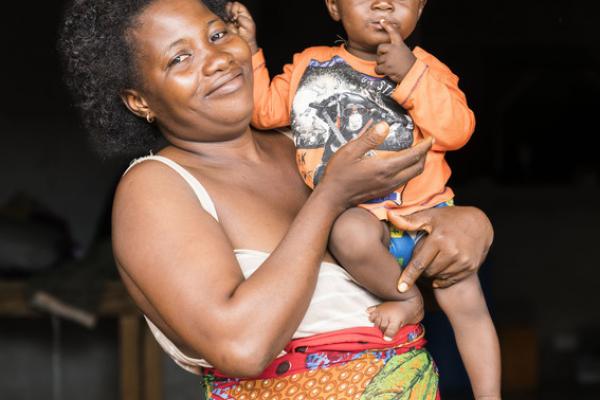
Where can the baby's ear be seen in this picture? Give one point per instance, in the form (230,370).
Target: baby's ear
(332,6)
(422,6)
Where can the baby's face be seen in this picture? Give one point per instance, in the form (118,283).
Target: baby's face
(362,18)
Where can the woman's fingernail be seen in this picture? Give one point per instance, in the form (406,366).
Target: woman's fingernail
(403,287)
(387,338)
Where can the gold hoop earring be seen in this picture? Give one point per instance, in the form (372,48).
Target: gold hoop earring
(149,118)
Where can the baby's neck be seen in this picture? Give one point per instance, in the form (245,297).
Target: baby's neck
(363,54)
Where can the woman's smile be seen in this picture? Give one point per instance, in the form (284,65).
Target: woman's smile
(227,83)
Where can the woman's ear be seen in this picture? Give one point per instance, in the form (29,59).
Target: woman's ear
(332,6)
(134,101)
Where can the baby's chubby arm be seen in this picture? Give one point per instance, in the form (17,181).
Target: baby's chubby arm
(428,90)
(394,59)
(271,97)
(240,20)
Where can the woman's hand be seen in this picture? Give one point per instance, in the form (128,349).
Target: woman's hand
(240,19)
(458,241)
(353,178)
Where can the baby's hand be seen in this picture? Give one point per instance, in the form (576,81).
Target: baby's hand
(394,59)
(390,316)
(241,21)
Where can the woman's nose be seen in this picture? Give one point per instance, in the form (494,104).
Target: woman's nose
(382,5)
(217,61)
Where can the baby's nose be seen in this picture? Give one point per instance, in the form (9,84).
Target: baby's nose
(382,5)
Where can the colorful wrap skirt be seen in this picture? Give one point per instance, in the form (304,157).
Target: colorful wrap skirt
(348,364)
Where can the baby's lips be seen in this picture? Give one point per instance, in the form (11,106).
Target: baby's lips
(392,23)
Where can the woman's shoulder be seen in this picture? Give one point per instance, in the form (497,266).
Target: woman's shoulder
(142,174)
(153,180)
(153,198)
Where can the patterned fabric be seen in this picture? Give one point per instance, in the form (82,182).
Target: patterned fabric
(411,375)
(367,375)
(405,371)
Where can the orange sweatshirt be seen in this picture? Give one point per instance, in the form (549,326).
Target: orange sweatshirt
(330,96)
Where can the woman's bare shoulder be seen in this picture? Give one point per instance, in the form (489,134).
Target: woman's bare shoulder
(150,194)
(141,180)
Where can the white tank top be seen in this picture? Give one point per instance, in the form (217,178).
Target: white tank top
(337,303)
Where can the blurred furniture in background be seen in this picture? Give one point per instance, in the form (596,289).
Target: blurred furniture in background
(140,358)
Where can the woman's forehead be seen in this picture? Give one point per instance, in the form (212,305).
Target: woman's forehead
(165,19)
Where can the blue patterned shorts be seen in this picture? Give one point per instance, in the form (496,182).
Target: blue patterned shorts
(402,243)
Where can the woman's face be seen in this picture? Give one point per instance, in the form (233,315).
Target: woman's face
(196,76)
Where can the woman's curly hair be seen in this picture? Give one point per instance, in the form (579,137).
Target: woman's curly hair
(99,65)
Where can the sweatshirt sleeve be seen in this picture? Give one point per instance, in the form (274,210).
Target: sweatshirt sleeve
(430,94)
(271,98)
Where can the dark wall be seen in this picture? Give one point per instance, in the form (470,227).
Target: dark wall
(531,73)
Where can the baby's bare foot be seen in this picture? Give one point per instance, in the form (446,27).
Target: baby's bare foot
(389,317)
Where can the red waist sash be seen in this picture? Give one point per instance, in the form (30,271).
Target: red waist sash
(340,346)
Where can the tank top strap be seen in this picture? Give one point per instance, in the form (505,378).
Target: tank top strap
(201,193)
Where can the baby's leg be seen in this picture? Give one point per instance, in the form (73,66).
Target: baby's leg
(465,306)
(359,242)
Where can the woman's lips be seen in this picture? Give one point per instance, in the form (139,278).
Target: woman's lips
(227,84)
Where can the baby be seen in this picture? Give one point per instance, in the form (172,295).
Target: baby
(331,95)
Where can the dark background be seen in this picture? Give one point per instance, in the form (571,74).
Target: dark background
(531,72)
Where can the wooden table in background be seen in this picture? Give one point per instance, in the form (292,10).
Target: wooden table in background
(140,358)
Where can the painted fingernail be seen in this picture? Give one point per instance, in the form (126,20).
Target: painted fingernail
(387,338)
(403,287)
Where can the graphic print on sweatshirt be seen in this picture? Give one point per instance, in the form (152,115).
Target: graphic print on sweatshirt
(334,104)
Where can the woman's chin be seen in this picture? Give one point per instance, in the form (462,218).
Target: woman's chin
(234,105)
(235,113)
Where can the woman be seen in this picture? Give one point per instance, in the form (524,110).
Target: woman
(172,66)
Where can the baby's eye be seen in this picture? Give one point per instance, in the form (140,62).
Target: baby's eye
(219,35)
(178,59)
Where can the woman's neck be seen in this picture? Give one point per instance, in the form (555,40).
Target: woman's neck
(240,148)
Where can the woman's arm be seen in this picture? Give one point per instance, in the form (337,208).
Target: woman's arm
(457,243)
(182,264)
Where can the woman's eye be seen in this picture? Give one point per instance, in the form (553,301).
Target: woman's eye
(178,59)
(218,36)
